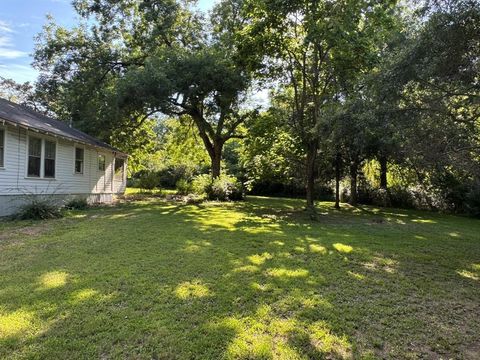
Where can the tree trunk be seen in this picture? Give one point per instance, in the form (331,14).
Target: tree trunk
(353,183)
(337,181)
(216,158)
(383,172)
(310,164)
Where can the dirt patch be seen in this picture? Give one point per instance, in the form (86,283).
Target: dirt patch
(18,233)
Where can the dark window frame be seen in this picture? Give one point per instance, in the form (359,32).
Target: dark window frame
(34,169)
(3,138)
(118,171)
(102,162)
(77,161)
(38,168)
(48,158)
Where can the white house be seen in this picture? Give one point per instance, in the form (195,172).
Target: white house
(41,156)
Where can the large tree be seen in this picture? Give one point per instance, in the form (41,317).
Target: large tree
(129,60)
(315,48)
(427,92)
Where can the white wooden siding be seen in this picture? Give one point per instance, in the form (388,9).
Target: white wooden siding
(13,179)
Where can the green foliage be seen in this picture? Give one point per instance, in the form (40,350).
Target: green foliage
(270,151)
(178,154)
(225,188)
(351,83)
(180,144)
(148,180)
(140,142)
(222,188)
(201,184)
(183,186)
(170,175)
(472,201)
(164,60)
(319,52)
(78,203)
(39,208)
(397,175)
(19,93)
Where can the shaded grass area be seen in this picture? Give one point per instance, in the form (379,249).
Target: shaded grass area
(252,280)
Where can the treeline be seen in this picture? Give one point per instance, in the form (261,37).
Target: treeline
(369,101)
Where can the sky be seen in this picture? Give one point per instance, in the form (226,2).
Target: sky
(22,20)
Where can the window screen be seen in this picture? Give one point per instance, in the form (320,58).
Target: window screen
(79,152)
(101,162)
(34,157)
(2,148)
(49,161)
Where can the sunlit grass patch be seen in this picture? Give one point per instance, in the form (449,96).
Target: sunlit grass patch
(191,289)
(259,259)
(299,249)
(424,221)
(469,275)
(84,294)
(192,248)
(342,248)
(356,275)
(322,338)
(262,287)
(381,263)
(247,269)
(314,248)
(287,273)
(15,323)
(53,279)
(265,336)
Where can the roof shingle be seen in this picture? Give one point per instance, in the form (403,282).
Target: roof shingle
(23,116)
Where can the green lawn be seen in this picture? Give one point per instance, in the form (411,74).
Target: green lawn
(253,280)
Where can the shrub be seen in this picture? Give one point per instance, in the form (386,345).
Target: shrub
(169,176)
(472,201)
(183,187)
(294,189)
(39,209)
(324,192)
(382,197)
(148,180)
(395,196)
(225,188)
(201,183)
(77,204)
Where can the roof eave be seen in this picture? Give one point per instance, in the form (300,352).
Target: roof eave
(69,138)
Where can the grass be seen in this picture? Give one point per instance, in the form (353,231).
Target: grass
(253,280)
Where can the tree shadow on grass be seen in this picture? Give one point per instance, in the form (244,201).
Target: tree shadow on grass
(162,280)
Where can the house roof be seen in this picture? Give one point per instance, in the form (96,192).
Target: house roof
(19,115)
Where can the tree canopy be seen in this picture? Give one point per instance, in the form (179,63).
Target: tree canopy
(354,86)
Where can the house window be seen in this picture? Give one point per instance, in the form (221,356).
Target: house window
(101,162)
(49,161)
(41,158)
(119,167)
(2,148)
(79,157)
(34,157)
